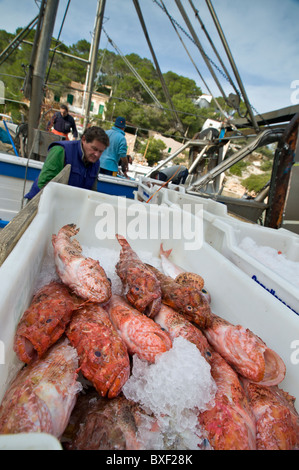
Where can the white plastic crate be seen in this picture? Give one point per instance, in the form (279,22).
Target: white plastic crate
(151,190)
(234,296)
(227,235)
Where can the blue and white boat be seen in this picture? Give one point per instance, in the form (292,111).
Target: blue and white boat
(16,177)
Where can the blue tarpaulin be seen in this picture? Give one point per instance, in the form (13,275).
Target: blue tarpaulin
(4,137)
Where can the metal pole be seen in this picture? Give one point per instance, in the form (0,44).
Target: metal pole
(28,78)
(39,69)
(198,44)
(174,154)
(213,45)
(232,62)
(16,41)
(161,78)
(190,57)
(91,72)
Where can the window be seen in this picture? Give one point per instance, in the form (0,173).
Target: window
(70,99)
(56,98)
(91,106)
(101,109)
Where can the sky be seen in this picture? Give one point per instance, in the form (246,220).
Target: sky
(263,37)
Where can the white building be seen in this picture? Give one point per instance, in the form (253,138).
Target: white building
(74,97)
(203,101)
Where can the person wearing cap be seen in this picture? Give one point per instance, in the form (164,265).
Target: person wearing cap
(116,153)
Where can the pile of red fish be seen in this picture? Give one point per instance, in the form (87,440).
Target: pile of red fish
(76,324)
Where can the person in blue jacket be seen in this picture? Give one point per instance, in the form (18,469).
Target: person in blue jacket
(83,156)
(116,153)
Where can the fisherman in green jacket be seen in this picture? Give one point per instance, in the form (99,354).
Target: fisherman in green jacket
(83,156)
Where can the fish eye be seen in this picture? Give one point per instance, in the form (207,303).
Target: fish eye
(98,353)
(189,308)
(204,291)
(136,288)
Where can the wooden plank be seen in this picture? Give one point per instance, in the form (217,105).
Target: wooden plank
(11,234)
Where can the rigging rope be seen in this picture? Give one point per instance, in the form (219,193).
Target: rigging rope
(194,42)
(213,47)
(196,68)
(155,99)
(158,70)
(174,22)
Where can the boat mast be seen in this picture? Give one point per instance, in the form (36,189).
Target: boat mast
(39,68)
(199,46)
(233,64)
(91,69)
(178,122)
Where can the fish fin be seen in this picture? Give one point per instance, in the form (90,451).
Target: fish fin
(190,279)
(121,240)
(70,230)
(77,245)
(163,252)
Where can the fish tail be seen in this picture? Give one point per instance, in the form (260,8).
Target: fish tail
(121,240)
(70,230)
(163,252)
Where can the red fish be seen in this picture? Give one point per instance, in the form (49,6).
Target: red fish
(103,356)
(141,334)
(101,424)
(168,267)
(84,276)
(144,291)
(45,321)
(246,352)
(177,325)
(180,275)
(43,394)
(185,299)
(277,420)
(229,423)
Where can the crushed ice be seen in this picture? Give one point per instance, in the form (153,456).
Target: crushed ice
(270,257)
(175,388)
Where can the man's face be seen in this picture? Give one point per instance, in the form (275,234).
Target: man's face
(63,112)
(92,150)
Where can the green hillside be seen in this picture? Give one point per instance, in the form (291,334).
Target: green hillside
(129,98)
